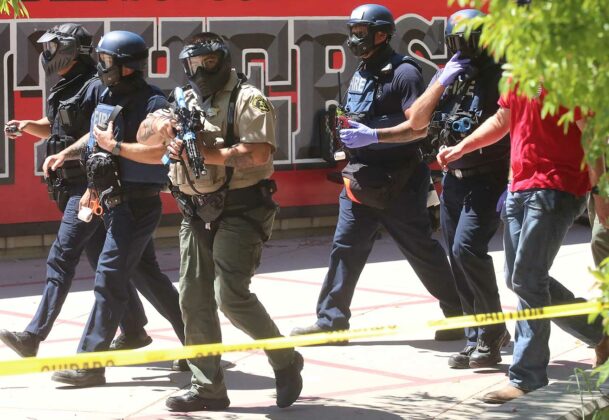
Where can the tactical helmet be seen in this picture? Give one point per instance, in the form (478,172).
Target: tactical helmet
(207,63)
(456,41)
(63,44)
(377,18)
(119,49)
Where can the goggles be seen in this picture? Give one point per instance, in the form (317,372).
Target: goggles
(49,49)
(359,31)
(208,62)
(458,42)
(106,60)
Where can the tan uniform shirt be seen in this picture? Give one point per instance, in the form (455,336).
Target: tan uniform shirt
(254,123)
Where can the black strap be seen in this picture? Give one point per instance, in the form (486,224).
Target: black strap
(230,124)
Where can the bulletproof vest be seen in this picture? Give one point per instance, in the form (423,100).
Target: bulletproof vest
(363,89)
(466,104)
(126,125)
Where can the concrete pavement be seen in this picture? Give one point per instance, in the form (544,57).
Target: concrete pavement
(388,378)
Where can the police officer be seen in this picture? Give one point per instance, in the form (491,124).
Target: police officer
(66,52)
(132,209)
(228,215)
(471,185)
(382,89)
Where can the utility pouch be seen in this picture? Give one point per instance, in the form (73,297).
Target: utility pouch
(210,206)
(376,186)
(57,190)
(102,174)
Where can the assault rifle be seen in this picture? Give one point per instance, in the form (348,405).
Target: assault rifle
(189,122)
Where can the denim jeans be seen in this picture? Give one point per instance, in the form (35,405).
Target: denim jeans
(74,237)
(130,227)
(469,220)
(407,221)
(536,222)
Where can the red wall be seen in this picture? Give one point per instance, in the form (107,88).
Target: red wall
(302,180)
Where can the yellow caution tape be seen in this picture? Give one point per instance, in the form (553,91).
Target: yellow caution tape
(136,357)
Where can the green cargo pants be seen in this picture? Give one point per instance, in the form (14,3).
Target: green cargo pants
(215,271)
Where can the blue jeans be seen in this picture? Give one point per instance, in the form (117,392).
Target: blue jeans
(407,221)
(130,226)
(73,237)
(469,220)
(536,222)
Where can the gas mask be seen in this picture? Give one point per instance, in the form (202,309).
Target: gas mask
(207,66)
(61,45)
(467,46)
(108,70)
(360,45)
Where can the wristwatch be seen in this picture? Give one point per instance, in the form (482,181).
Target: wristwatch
(116,150)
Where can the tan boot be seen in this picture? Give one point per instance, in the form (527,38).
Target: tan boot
(602,351)
(505,394)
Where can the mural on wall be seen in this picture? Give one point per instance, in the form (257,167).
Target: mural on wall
(301,63)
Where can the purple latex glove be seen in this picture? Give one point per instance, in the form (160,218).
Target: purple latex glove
(453,68)
(501,201)
(358,135)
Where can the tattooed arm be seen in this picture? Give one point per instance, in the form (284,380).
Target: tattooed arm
(239,156)
(72,152)
(157,128)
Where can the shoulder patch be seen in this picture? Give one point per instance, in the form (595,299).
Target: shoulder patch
(260,103)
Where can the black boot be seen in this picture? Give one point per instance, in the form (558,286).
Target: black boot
(80,377)
(488,353)
(180,365)
(25,344)
(288,382)
(191,401)
(461,360)
(124,342)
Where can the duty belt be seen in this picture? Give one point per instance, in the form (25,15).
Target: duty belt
(477,170)
(115,200)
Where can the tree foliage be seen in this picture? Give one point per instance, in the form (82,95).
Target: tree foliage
(19,9)
(562,43)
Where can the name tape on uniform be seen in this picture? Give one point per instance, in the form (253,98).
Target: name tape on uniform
(136,357)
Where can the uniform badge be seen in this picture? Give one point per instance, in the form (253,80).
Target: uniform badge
(260,103)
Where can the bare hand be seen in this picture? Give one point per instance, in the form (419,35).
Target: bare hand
(601,208)
(52,162)
(105,138)
(176,149)
(447,155)
(85,199)
(20,125)
(165,127)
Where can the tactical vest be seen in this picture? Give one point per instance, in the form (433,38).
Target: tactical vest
(465,105)
(363,89)
(130,171)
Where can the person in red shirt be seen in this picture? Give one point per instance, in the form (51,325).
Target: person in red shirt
(546,195)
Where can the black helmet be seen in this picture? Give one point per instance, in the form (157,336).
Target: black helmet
(207,63)
(456,40)
(119,49)
(378,19)
(63,44)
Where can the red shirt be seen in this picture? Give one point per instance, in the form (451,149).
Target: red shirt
(542,155)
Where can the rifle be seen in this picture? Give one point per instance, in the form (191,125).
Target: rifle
(189,122)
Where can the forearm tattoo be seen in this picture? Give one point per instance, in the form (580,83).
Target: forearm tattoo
(239,160)
(76,150)
(146,130)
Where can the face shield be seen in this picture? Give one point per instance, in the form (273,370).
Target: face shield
(58,50)
(207,65)
(361,39)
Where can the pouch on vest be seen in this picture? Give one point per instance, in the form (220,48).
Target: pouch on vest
(376,186)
